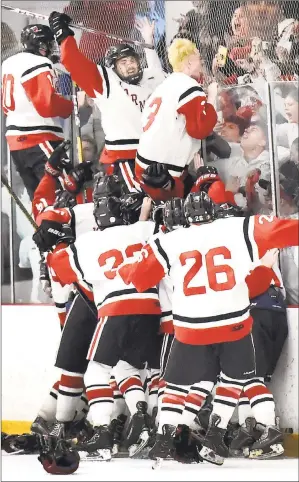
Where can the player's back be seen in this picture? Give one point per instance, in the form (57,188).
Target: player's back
(209,264)
(164,138)
(100,253)
(22,117)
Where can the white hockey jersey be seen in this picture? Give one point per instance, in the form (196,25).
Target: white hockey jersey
(208,265)
(120,103)
(175,119)
(30,102)
(94,259)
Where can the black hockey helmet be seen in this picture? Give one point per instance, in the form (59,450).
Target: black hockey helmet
(121,51)
(227,210)
(131,206)
(198,208)
(106,186)
(173,214)
(107,212)
(38,39)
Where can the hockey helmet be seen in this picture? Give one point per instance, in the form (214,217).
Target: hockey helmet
(131,206)
(206,175)
(107,212)
(38,39)
(122,51)
(157,212)
(173,214)
(227,210)
(106,186)
(199,208)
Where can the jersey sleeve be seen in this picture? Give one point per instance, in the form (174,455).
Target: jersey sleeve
(90,77)
(38,84)
(62,216)
(44,195)
(68,270)
(271,232)
(200,116)
(147,272)
(259,280)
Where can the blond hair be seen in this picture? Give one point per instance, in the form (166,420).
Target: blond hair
(179,50)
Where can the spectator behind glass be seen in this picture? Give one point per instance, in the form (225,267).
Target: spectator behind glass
(287,48)
(109,16)
(89,149)
(233,129)
(286,133)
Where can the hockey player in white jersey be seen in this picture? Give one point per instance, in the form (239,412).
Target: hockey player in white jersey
(176,117)
(32,106)
(128,322)
(119,89)
(211,304)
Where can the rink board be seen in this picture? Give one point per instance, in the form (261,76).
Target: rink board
(30,338)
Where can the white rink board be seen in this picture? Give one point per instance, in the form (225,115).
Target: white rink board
(30,338)
(27,468)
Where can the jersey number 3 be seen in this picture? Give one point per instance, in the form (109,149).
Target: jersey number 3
(118,258)
(212,271)
(8,101)
(156,103)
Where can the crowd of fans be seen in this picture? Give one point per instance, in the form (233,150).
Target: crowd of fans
(255,44)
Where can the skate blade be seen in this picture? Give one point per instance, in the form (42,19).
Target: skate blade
(135,449)
(276,450)
(100,455)
(210,456)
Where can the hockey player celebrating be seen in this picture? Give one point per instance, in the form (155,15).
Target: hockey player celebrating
(31,105)
(175,119)
(221,321)
(119,89)
(128,323)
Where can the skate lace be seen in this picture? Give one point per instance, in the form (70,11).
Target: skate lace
(56,430)
(264,434)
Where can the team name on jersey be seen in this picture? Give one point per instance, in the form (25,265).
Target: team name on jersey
(134,98)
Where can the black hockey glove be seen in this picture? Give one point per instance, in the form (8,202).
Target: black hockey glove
(59,24)
(50,233)
(77,177)
(156,175)
(65,200)
(59,160)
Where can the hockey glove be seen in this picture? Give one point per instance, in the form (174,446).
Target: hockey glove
(157,176)
(59,160)
(59,24)
(65,200)
(50,233)
(77,177)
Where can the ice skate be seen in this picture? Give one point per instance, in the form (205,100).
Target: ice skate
(138,430)
(41,426)
(246,436)
(99,446)
(214,449)
(270,443)
(164,447)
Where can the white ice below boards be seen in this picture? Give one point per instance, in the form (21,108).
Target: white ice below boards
(27,468)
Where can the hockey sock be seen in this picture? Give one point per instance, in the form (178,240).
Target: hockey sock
(261,401)
(61,312)
(99,393)
(48,409)
(130,385)
(82,408)
(195,400)
(161,391)
(172,404)
(226,398)
(244,409)
(69,393)
(152,392)
(119,406)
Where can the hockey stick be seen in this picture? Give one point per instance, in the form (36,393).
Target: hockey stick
(26,213)
(39,16)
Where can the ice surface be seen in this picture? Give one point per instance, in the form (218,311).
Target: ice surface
(27,468)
